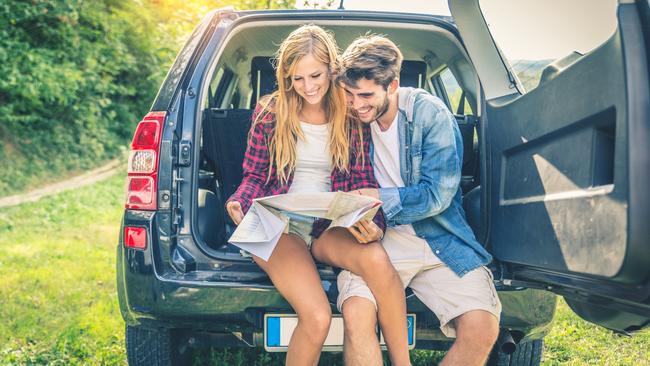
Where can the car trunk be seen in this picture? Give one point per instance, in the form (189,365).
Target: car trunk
(243,72)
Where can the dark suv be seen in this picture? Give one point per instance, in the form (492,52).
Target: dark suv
(554,181)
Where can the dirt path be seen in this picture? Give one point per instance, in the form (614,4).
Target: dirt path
(85,179)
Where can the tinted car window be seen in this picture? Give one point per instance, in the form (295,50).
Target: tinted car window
(534,34)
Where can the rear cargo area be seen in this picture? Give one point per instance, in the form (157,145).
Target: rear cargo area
(244,72)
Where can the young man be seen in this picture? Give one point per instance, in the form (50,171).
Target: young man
(417,156)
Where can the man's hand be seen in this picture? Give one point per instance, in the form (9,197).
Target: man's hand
(365,231)
(235,212)
(371,192)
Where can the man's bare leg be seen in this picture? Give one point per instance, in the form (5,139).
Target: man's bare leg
(361,345)
(476,332)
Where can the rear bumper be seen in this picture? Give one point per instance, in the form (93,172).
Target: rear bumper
(198,302)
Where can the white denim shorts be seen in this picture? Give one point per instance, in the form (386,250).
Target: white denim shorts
(437,286)
(300,226)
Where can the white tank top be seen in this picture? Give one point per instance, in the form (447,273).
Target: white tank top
(313,167)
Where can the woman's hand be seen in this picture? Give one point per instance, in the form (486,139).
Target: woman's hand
(371,192)
(366,231)
(235,212)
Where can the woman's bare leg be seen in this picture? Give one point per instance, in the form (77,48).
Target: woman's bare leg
(338,248)
(293,272)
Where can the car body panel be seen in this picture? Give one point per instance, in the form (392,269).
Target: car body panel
(566,174)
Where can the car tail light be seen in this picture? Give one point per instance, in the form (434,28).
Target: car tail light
(135,237)
(142,179)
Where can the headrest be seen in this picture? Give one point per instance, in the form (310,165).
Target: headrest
(413,74)
(262,78)
(263,81)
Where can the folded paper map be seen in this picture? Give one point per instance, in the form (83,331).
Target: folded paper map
(264,223)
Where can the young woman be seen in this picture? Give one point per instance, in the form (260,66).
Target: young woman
(302,141)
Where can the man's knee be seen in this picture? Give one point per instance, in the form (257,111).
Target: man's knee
(477,329)
(359,317)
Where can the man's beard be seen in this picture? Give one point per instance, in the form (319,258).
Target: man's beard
(381,110)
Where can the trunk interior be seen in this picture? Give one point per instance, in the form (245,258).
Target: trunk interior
(243,72)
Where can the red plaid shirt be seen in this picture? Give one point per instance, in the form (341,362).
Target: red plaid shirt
(257,161)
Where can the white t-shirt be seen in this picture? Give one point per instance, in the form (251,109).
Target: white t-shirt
(386,164)
(313,164)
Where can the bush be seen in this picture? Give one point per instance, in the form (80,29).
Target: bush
(78,75)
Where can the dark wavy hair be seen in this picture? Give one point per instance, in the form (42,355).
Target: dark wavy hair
(373,57)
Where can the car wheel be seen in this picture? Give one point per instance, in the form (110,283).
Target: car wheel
(527,354)
(152,347)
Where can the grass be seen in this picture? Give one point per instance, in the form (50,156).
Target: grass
(57,294)
(58,304)
(574,341)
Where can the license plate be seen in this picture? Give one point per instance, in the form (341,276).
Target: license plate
(278,329)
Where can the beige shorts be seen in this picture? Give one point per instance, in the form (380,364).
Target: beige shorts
(437,286)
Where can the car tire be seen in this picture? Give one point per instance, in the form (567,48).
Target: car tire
(151,347)
(527,354)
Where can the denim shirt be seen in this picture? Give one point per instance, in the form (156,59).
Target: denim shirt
(431,155)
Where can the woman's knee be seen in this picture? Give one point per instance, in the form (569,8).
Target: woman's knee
(317,321)
(375,262)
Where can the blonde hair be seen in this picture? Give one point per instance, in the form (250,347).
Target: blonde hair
(285,103)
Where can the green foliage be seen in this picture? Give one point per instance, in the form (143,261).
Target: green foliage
(78,75)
